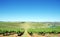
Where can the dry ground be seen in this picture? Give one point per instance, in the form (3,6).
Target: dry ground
(34,35)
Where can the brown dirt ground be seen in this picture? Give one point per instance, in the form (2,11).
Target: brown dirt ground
(1,35)
(58,35)
(15,35)
(46,35)
(34,35)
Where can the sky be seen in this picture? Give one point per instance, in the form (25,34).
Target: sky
(30,10)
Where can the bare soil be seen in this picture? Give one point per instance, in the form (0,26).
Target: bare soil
(1,35)
(34,35)
(46,35)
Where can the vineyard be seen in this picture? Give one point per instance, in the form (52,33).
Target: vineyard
(30,29)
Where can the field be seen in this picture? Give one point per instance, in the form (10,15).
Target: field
(29,29)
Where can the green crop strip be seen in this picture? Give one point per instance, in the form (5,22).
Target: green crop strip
(34,27)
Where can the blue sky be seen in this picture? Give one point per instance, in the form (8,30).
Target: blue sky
(30,10)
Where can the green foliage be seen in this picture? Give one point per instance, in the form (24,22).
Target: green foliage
(10,27)
(36,27)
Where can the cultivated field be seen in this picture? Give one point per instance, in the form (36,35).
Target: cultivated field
(29,29)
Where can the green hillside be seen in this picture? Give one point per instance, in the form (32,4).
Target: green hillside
(34,27)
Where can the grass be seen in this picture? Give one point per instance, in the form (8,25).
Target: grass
(34,27)
(10,26)
(45,27)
